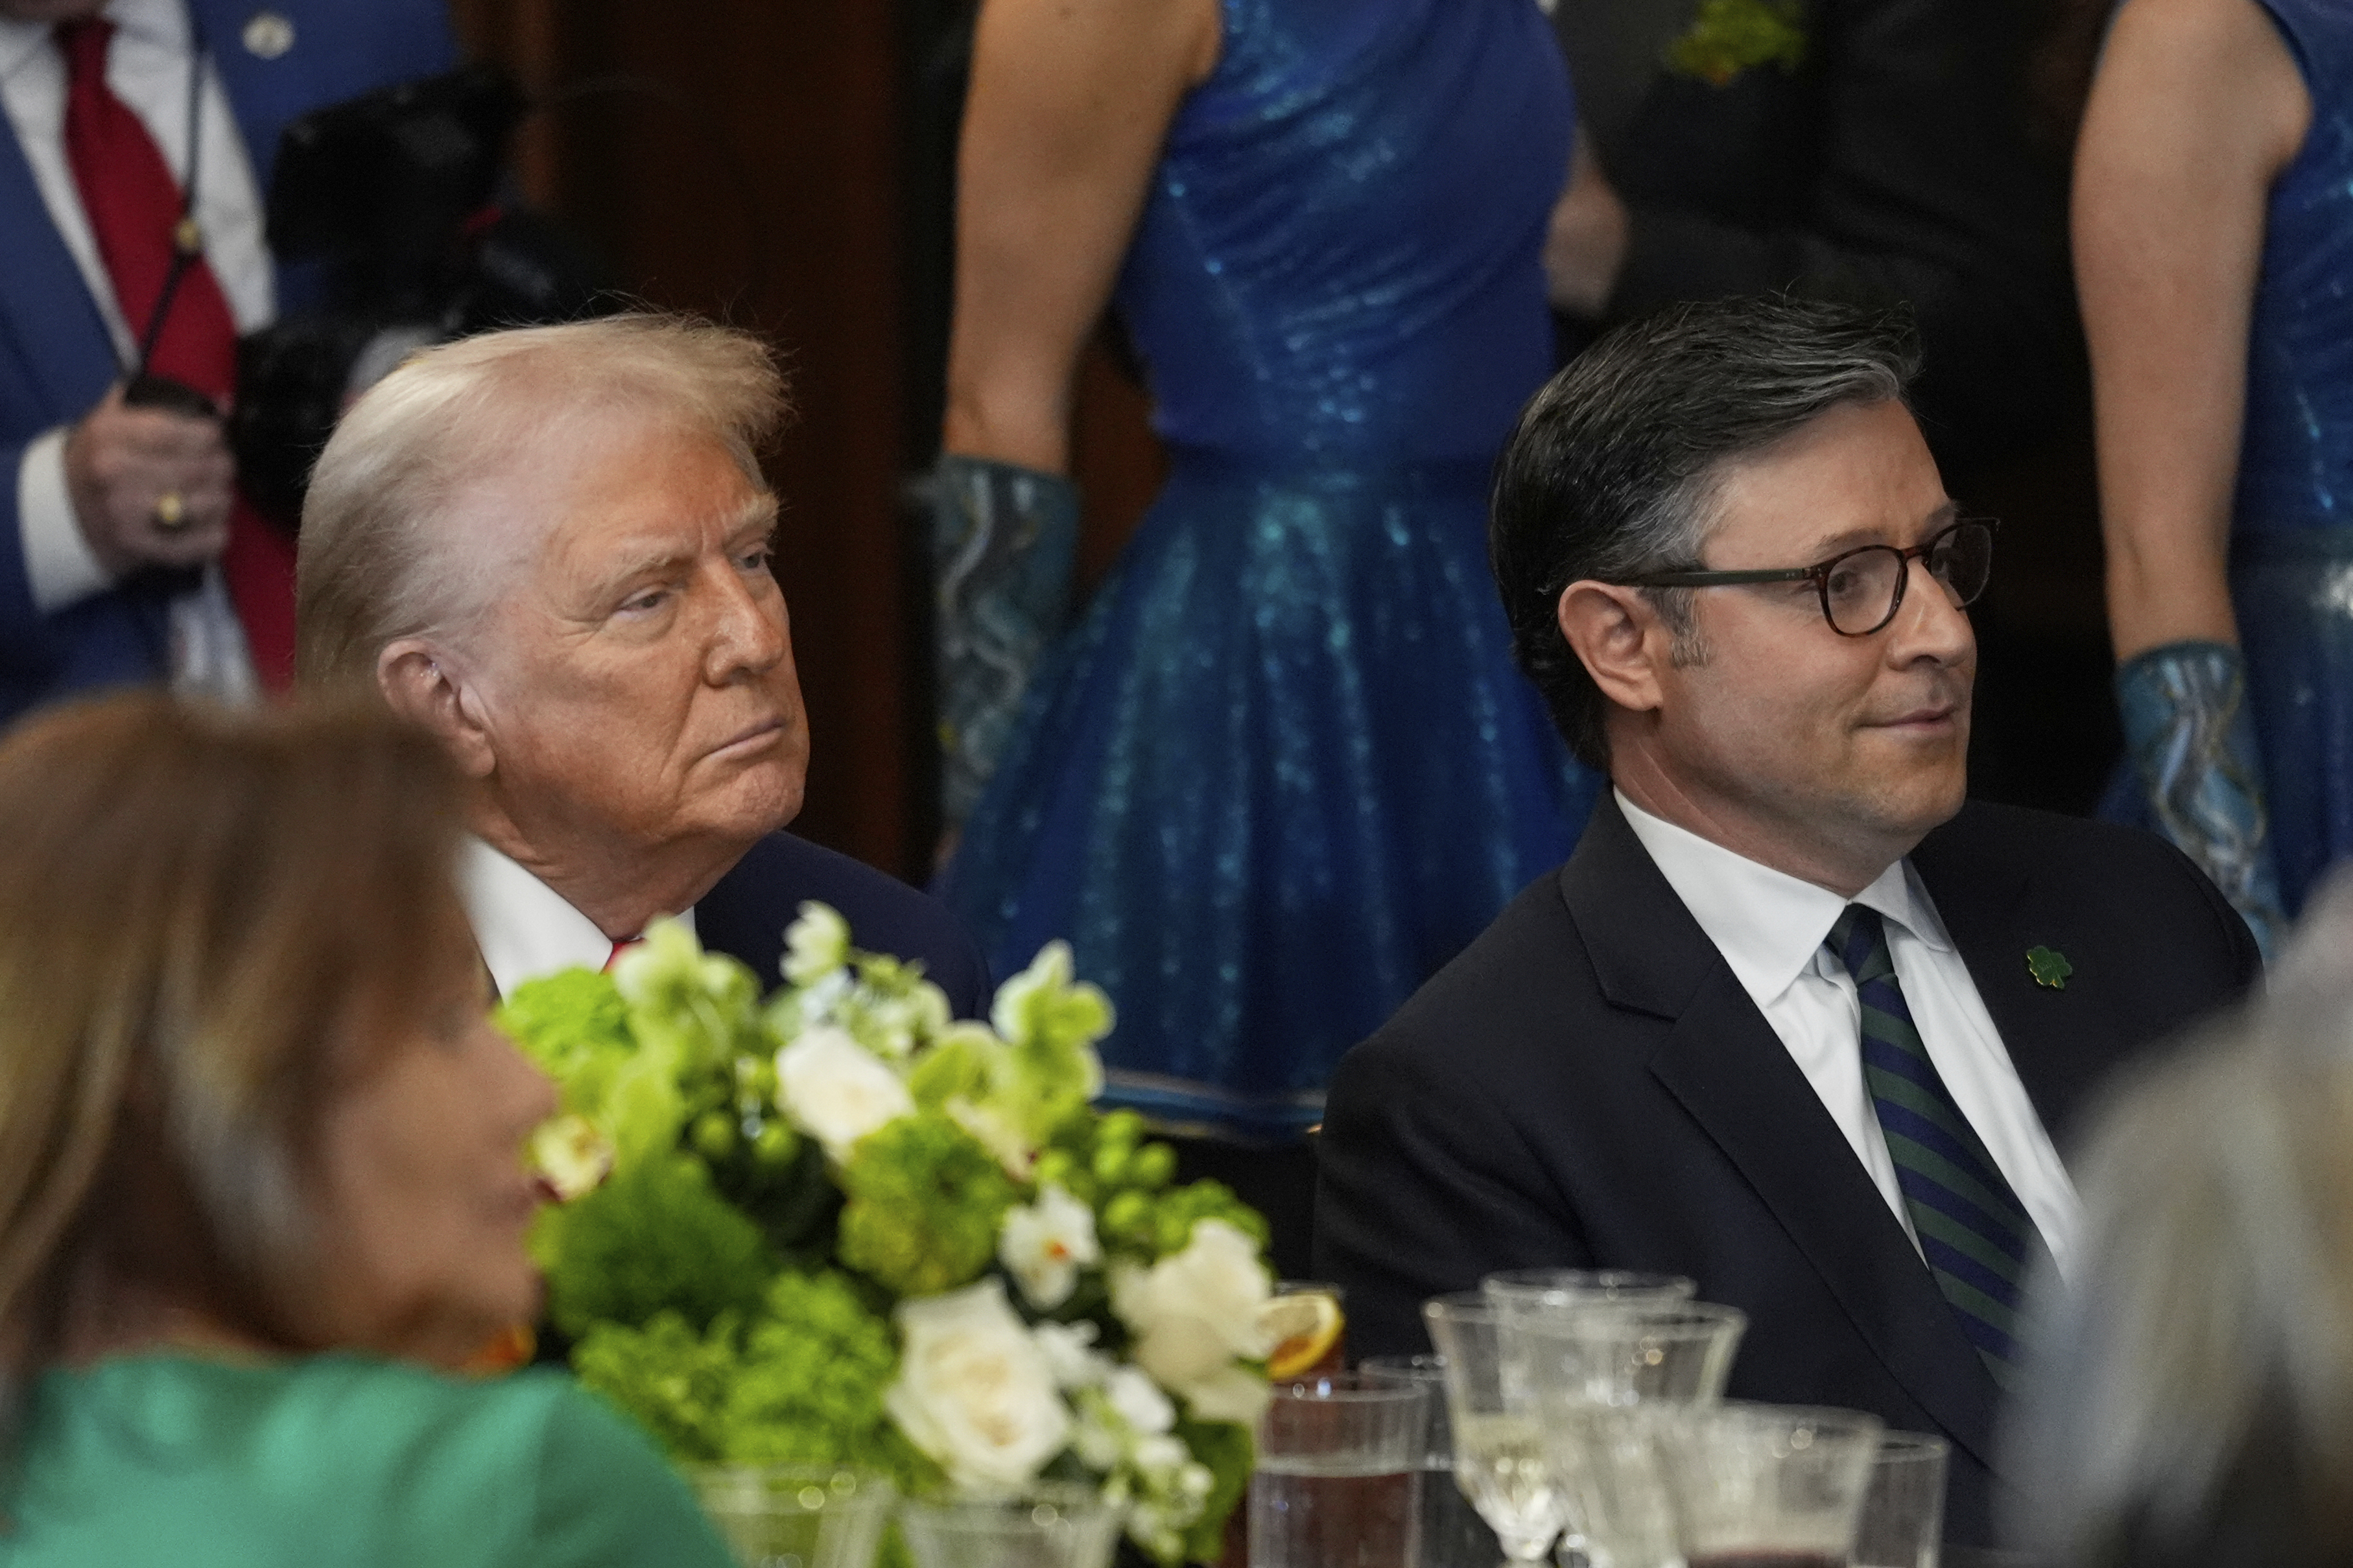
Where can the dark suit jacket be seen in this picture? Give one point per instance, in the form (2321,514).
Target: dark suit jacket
(1899,161)
(744,916)
(1587,1085)
(56,360)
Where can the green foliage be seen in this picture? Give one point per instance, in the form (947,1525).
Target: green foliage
(1225,1447)
(926,1201)
(579,1029)
(1105,1161)
(568,1022)
(656,1238)
(673,1380)
(811,1387)
(801,1383)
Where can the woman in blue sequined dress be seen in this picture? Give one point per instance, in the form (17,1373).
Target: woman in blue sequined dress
(1283,768)
(2214,254)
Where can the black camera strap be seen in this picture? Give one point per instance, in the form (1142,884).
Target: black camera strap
(187,235)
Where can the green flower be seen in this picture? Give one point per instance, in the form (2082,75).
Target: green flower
(653,1239)
(925,1202)
(673,1380)
(1729,37)
(809,1389)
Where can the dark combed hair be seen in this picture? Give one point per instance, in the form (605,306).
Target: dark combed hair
(1613,469)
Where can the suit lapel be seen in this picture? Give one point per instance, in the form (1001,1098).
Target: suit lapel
(61,340)
(1729,1071)
(2060,1040)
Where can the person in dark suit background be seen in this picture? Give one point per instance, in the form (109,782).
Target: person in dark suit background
(115,521)
(1876,152)
(549,548)
(1794,1020)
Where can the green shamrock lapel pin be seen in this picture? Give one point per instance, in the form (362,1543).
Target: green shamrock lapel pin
(2049,966)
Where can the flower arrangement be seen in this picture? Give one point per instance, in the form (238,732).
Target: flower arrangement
(836,1224)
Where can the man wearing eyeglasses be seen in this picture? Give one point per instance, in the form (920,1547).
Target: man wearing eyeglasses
(1796,1020)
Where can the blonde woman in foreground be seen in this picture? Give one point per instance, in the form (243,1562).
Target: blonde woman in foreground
(260,1171)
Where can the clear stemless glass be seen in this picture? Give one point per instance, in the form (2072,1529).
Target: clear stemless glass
(1903,1511)
(1338,1482)
(1537,1288)
(812,1516)
(1768,1484)
(1499,1462)
(1454,1535)
(1601,1381)
(1045,1525)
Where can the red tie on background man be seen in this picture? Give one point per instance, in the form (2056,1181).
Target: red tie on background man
(135,207)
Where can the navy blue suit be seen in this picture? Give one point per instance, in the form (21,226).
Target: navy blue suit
(745,915)
(57,359)
(1589,1085)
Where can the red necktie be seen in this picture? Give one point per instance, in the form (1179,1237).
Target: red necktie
(134,207)
(620,948)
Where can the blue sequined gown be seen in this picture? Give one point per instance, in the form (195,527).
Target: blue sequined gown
(2292,537)
(1284,768)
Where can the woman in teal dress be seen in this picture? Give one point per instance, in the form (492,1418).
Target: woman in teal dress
(1284,768)
(261,1183)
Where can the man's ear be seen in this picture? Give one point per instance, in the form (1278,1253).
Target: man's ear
(419,685)
(1616,632)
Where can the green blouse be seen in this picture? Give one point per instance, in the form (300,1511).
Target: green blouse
(338,1460)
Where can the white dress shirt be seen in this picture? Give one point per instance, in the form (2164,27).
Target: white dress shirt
(147,67)
(523,927)
(1770,928)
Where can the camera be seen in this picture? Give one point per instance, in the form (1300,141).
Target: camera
(392,198)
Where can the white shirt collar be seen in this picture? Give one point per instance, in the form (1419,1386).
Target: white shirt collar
(524,928)
(159,23)
(1768,924)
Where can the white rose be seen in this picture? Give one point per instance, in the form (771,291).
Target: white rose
(1204,1301)
(838,1091)
(975,1391)
(1044,1246)
(1194,1312)
(816,944)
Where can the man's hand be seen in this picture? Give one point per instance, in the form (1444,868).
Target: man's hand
(1586,243)
(150,486)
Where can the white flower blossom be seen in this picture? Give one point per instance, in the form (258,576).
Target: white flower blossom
(1139,1401)
(816,945)
(838,1091)
(1069,1349)
(1044,1244)
(975,1391)
(1194,1314)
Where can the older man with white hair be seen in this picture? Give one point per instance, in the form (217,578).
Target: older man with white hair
(549,547)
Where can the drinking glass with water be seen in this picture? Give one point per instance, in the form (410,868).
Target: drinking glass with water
(1338,1483)
(1453,1534)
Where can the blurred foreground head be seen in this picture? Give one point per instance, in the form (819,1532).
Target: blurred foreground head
(248,1092)
(549,548)
(2192,1393)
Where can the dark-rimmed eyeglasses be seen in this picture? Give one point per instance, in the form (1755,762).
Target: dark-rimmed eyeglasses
(1861,589)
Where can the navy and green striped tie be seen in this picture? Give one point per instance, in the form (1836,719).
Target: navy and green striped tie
(1975,1235)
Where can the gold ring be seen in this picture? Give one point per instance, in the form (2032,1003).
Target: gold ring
(171,511)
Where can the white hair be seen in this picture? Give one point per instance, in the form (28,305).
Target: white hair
(376,561)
